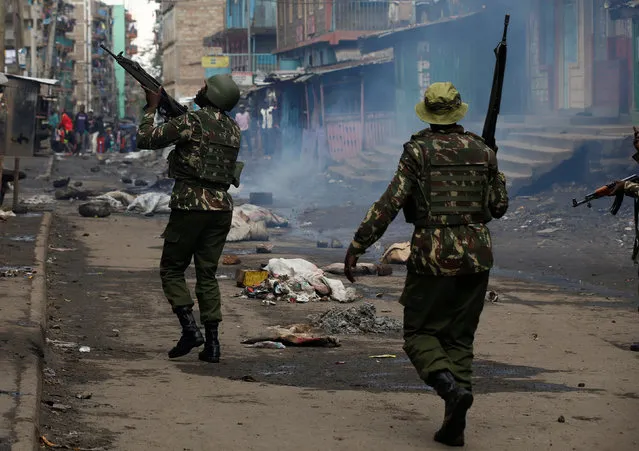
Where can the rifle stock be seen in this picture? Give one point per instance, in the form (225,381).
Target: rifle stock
(494,105)
(168,107)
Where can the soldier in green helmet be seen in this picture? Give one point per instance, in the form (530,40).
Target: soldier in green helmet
(204,165)
(449,187)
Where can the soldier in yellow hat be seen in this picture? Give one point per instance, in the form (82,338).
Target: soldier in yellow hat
(449,187)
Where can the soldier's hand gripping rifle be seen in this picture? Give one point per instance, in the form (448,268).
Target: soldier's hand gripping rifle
(168,107)
(606,190)
(490,124)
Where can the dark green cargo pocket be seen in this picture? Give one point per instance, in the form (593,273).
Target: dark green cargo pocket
(170,236)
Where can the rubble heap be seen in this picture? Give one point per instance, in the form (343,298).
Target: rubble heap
(355,320)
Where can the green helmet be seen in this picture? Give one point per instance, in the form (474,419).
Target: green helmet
(222,92)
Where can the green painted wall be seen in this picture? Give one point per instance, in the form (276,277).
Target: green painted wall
(119,43)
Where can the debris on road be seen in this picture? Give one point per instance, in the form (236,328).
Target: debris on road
(5,214)
(264,248)
(74,193)
(296,335)
(231,259)
(61,183)
(299,276)
(250,223)
(362,269)
(397,253)
(355,320)
(85,349)
(383,356)
(84,395)
(249,278)
(267,345)
(150,203)
(95,209)
(491,296)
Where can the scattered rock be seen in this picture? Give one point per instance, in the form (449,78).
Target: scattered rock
(140,182)
(548,231)
(581,385)
(384,270)
(20,210)
(355,320)
(73,193)
(84,395)
(60,407)
(95,169)
(634,347)
(264,248)
(61,183)
(397,253)
(127,180)
(491,296)
(77,184)
(231,260)
(96,209)
(561,419)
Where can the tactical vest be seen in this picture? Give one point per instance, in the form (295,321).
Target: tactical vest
(211,161)
(453,185)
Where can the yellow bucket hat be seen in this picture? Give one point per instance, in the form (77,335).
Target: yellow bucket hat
(442,105)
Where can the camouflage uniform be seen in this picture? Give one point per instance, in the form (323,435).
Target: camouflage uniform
(204,166)
(450,259)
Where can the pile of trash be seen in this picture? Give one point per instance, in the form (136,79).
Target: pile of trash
(4,214)
(251,223)
(298,281)
(355,320)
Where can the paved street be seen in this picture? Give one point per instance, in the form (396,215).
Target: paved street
(553,367)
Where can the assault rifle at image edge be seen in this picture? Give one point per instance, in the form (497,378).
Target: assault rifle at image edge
(490,124)
(604,191)
(168,107)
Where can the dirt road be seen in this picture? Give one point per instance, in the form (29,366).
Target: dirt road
(543,354)
(553,369)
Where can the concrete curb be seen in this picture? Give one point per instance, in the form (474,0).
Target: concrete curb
(27,425)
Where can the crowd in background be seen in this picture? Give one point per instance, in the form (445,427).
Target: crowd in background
(88,133)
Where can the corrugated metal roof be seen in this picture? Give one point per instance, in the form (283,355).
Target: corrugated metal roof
(303,78)
(42,81)
(353,64)
(383,34)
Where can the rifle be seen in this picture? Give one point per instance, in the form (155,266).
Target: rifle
(168,107)
(490,124)
(604,191)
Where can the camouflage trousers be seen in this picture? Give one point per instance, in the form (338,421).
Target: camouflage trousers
(197,235)
(441,315)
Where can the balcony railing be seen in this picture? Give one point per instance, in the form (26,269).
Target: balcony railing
(362,16)
(263,14)
(262,62)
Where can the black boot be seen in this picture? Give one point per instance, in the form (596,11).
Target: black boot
(191,335)
(458,401)
(211,351)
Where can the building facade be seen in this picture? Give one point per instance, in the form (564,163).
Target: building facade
(248,25)
(183,25)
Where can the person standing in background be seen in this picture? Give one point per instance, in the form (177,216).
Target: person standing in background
(243,119)
(81,130)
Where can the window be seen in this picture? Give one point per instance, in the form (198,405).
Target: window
(300,8)
(321,4)
(290,10)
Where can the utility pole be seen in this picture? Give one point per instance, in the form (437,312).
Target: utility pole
(248,33)
(3,13)
(51,44)
(89,53)
(34,44)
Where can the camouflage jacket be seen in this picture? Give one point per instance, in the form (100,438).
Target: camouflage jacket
(440,251)
(186,133)
(631,189)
